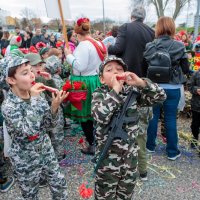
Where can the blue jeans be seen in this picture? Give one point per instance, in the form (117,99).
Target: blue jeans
(170,111)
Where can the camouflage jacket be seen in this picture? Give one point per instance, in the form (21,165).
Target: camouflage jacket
(193,85)
(58,81)
(106,102)
(27,121)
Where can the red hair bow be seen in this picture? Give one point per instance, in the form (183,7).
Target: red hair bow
(82,20)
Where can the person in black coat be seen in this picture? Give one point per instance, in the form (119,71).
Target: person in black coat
(131,41)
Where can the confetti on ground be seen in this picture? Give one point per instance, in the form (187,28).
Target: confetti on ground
(166,179)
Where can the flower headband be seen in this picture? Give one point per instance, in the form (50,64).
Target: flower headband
(82,20)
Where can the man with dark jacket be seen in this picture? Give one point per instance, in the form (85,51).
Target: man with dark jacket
(131,41)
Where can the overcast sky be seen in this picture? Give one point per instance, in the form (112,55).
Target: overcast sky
(115,9)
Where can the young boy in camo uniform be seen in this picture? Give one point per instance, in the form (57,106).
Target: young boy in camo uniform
(27,117)
(115,178)
(53,66)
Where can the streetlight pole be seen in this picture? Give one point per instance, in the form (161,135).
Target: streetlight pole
(104,28)
(196,28)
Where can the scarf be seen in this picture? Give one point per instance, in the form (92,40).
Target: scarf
(101,50)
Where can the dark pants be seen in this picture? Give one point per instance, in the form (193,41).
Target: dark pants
(170,110)
(195,124)
(88,131)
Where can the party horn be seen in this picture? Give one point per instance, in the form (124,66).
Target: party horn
(50,89)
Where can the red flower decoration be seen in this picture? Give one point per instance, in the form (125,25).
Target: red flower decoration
(67,86)
(59,44)
(24,50)
(77,93)
(82,20)
(18,39)
(81,141)
(32,49)
(40,45)
(85,192)
(78,85)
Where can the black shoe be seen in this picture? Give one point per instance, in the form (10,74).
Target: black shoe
(143,177)
(89,150)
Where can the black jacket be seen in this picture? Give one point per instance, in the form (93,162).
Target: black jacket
(177,53)
(4,43)
(38,38)
(193,85)
(130,45)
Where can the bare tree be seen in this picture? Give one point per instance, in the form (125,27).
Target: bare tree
(161,5)
(27,13)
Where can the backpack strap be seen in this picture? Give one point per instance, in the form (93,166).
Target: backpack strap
(170,46)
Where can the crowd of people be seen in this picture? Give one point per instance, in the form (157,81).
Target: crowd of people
(35,69)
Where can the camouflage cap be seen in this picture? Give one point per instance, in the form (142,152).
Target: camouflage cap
(52,64)
(34,58)
(14,62)
(3,65)
(109,59)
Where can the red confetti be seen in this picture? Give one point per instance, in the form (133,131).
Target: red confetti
(33,137)
(85,192)
(81,141)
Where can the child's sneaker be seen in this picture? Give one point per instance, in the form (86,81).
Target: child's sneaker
(7,185)
(143,177)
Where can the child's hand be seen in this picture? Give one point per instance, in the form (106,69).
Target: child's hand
(36,89)
(57,100)
(198,91)
(133,80)
(117,84)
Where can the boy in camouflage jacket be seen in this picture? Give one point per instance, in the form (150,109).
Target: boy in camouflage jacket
(115,178)
(27,117)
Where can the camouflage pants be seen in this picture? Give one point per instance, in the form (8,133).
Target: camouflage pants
(115,178)
(142,154)
(29,166)
(57,136)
